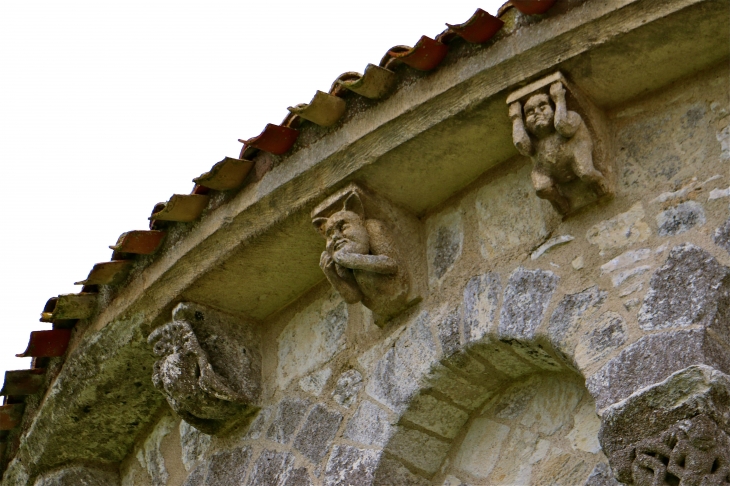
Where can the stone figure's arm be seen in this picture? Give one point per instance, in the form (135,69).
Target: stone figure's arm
(566,122)
(344,284)
(370,263)
(519,135)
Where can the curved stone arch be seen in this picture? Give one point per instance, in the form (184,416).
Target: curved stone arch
(445,365)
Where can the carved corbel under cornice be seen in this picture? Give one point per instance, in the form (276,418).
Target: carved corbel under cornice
(209,367)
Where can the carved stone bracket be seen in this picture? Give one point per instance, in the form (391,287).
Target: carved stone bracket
(566,137)
(373,253)
(676,432)
(209,368)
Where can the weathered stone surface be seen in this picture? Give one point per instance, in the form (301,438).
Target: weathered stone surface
(607,333)
(299,477)
(350,466)
(624,275)
(209,366)
(459,390)
(680,218)
(526,299)
(436,415)
(676,428)
(625,260)
(150,457)
(556,405)
(586,424)
(690,288)
(348,385)
(620,231)
(78,476)
(513,401)
(448,329)
(480,450)
(271,468)
(229,467)
(315,382)
(257,426)
(536,355)
(510,216)
(423,451)
(312,337)
(652,359)
(195,478)
(392,472)
(601,476)
(481,301)
(445,241)
(288,417)
(503,358)
(194,444)
(721,236)
(571,312)
(317,433)
(369,426)
(395,376)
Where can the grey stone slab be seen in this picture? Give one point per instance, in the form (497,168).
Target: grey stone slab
(194,444)
(228,467)
(421,450)
(606,333)
(348,386)
(196,476)
(571,311)
(449,333)
(525,302)
(369,426)
(299,477)
(289,415)
(601,476)
(395,376)
(436,415)
(446,250)
(481,301)
(391,472)
(349,466)
(271,468)
(652,359)
(316,435)
(259,423)
(680,218)
(721,236)
(692,287)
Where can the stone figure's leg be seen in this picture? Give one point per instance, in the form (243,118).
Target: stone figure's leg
(546,188)
(584,169)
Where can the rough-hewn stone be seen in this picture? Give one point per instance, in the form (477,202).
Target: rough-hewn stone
(586,424)
(526,300)
(620,231)
(690,288)
(194,444)
(652,359)
(315,382)
(444,244)
(395,376)
(601,476)
(299,477)
(480,450)
(196,476)
(680,218)
(289,415)
(349,466)
(257,426)
(391,472)
(436,415)
(317,432)
(271,468)
(228,467)
(606,333)
(369,426)
(150,457)
(721,236)
(625,259)
(422,451)
(481,301)
(571,311)
(348,385)
(312,337)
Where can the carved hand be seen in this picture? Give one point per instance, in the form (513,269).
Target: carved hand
(515,110)
(326,263)
(557,92)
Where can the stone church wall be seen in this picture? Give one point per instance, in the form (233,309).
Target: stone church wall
(528,329)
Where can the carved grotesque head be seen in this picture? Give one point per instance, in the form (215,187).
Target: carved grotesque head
(539,114)
(345,230)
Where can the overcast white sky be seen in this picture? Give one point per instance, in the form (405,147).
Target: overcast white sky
(107,108)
